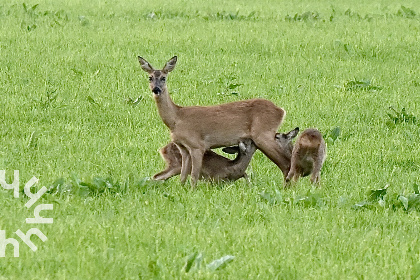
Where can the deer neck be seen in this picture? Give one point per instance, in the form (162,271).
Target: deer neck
(167,109)
(242,160)
(288,152)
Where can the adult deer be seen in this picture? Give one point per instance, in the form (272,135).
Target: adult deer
(195,129)
(215,168)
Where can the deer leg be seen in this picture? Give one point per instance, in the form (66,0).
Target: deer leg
(287,182)
(172,156)
(186,163)
(167,173)
(197,162)
(316,171)
(293,172)
(290,175)
(268,145)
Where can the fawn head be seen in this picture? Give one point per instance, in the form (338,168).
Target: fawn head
(285,139)
(247,146)
(157,78)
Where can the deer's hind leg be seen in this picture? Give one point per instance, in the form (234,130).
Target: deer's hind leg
(167,173)
(172,156)
(316,172)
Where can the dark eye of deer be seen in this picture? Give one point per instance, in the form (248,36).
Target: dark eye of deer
(150,78)
(163,79)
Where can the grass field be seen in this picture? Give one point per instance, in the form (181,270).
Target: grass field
(76,112)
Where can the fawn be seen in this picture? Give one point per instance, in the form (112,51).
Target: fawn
(215,167)
(307,155)
(196,129)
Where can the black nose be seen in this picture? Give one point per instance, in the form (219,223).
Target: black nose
(156,90)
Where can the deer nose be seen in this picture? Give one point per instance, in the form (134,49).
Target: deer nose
(156,90)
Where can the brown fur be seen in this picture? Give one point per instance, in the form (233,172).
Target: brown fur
(215,167)
(196,129)
(308,155)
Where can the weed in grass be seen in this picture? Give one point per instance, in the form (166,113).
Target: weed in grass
(31,11)
(220,263)
(230,86)
(339,45)
(133,102)
(232,16)
(28,27)
(374,197)
(191,260)
(384,199)
(50,100)
(91,100)
(353,14)
(95,186)
(406,12)
(223,15)
(396,118)
(84,21)
(331,136)
(310,199)
(32,140)
(307,16)
(193,263)
(360,85)
(273,200)
(34,17)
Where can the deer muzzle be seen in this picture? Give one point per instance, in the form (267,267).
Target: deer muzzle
(157,90)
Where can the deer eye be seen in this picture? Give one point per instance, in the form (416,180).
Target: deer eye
(163,79)
(150,78)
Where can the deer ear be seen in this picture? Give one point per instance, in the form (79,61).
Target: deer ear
(170,65)
(293,133)
(145,65)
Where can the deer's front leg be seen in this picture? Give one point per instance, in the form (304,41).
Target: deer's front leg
(186,163)
(197,162)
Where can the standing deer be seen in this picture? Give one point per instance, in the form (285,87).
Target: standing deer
(215,167)
(196,129)
(307,155)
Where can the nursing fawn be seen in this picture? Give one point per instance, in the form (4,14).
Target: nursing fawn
(215,168)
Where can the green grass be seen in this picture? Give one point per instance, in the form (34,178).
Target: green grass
(67,69)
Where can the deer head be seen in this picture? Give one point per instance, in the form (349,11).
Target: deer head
(157,78)
(285,140)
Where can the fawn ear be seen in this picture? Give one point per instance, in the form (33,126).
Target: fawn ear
(293,133)
(231,150)
(145,65)
(170,65)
